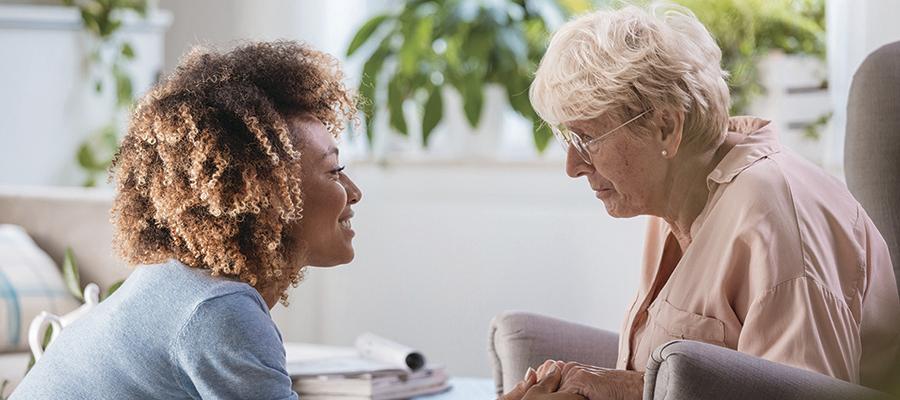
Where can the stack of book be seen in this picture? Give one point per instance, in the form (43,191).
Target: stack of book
(375,369)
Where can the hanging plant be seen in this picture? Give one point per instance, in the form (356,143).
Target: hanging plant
(108,58)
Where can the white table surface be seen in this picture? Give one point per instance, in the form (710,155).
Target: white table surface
(466,389)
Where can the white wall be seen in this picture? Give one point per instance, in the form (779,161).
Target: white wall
(47,101)
(442,248)
(327,25)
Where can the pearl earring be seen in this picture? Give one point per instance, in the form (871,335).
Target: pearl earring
(665,153)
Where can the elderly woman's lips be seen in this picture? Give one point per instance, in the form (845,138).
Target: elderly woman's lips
(601,193)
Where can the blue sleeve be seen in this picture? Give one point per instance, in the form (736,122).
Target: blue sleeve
(231,349)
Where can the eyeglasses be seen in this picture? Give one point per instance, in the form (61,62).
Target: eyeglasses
(568,138)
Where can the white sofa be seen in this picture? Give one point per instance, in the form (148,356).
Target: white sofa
(56,218)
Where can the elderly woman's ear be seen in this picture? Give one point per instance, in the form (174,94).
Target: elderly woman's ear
(668,132)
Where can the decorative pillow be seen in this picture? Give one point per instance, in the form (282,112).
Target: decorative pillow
(30,282)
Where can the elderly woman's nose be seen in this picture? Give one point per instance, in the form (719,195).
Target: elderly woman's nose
(575,165)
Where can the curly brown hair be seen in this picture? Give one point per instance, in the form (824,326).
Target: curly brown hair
(208,172)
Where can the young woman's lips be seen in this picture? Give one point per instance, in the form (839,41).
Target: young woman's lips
(346,226)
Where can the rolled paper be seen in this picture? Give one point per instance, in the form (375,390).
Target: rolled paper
(377,348)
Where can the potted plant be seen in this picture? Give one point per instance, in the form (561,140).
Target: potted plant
(471,45)
(108,59)
(428,46)
(749,30)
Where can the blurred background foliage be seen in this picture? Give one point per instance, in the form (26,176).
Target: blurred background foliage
(412,53)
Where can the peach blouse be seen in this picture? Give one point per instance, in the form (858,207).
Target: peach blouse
(784,264)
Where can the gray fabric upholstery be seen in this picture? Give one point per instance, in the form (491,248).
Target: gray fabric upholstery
(57,217)
(872,148)
(519,340)
(692,370)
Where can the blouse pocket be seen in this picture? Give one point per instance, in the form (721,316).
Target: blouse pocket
(671,323)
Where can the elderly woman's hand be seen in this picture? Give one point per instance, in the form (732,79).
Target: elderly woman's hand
(597,383)
(543,388)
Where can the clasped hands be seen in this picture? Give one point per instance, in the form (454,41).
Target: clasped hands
(557,380)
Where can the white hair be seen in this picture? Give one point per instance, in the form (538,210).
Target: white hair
(622,62)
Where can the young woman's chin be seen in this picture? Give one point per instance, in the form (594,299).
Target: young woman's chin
(333,257)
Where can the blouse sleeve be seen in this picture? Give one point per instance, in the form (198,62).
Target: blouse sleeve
(802,324)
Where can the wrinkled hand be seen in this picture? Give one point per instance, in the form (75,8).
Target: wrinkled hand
(543,387)
(597,383)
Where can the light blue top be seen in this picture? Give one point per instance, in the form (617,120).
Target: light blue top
(169,332)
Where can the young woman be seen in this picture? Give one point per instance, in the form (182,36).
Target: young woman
(229,184)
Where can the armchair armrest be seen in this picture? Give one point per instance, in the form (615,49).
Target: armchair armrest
(519,340)
(693,370)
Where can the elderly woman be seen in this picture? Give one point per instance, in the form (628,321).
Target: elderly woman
(749,246)
(229,184)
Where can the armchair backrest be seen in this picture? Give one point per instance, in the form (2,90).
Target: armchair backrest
(872,148)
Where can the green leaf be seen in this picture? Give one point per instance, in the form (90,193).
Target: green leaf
(434,112)
(112,289)
(368,85)
(110,141)
(127,51)
(365,32)
(124,91)
(395,106)
(86,158)
(473,99)
(110,27)
(70,275)
(90,181)
(98,86)
(477,47)
(542,135)
(416,44)
(48,334)
(517,95)
(551,12)
(90,22)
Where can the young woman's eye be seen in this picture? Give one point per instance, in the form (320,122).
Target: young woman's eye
(338,170)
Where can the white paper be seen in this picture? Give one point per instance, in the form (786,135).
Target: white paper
(373,347)
(373,355)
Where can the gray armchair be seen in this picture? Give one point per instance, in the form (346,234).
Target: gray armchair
(691,370)
(677,370)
